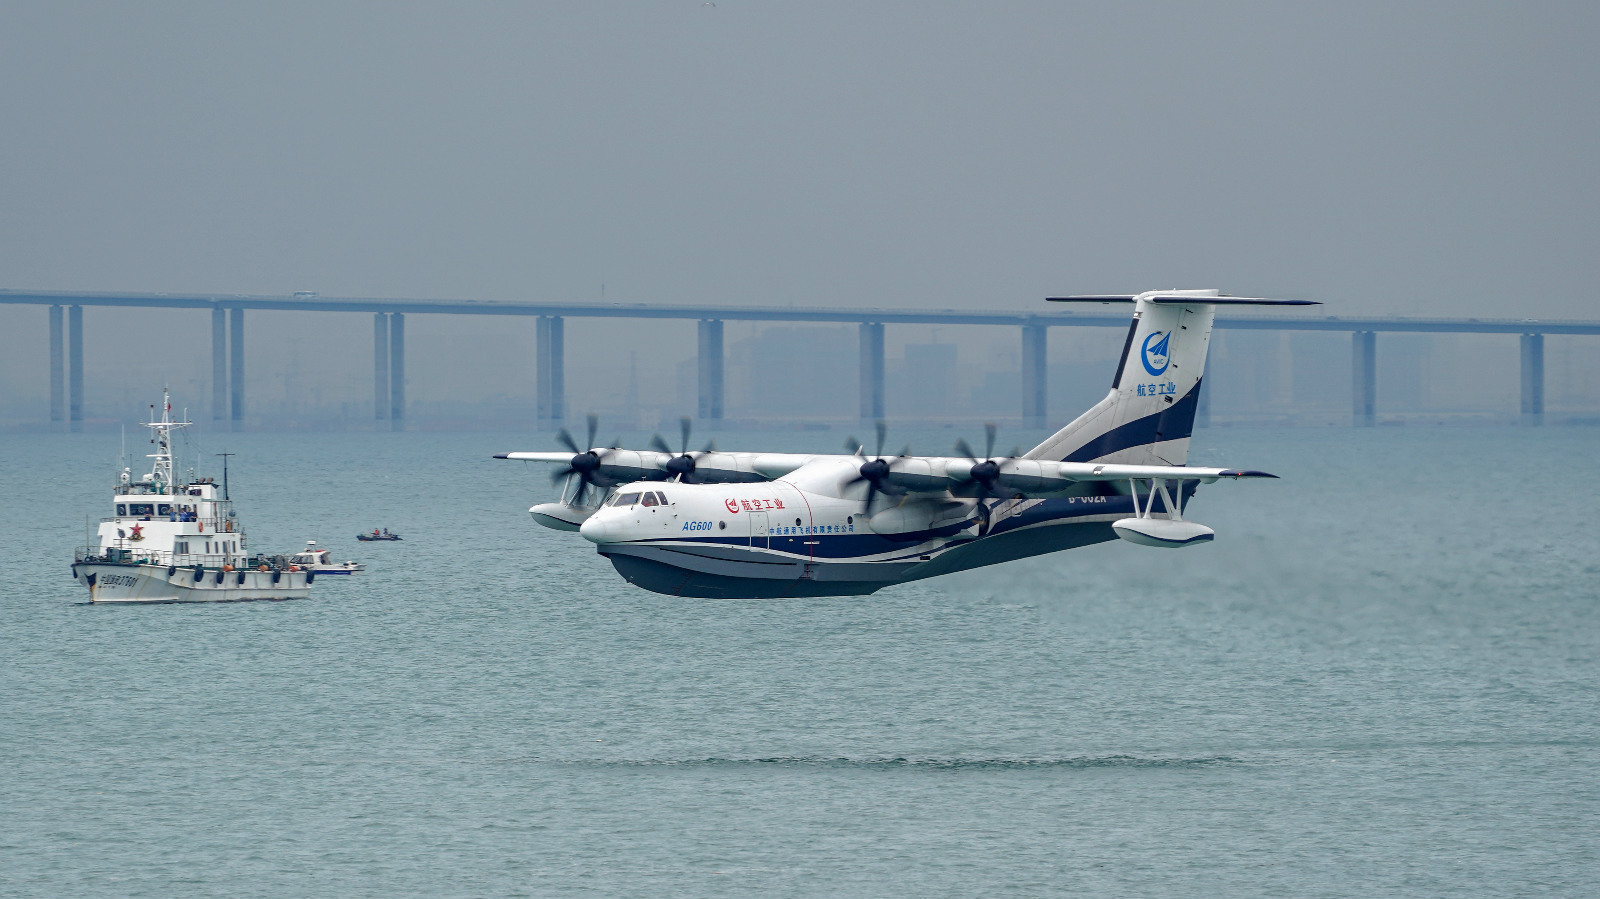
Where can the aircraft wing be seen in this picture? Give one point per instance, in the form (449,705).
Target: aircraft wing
(1029,477)
(563,458)
(902,475)
(621,465)
(1088,471)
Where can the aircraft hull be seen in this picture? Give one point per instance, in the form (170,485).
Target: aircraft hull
(713,571)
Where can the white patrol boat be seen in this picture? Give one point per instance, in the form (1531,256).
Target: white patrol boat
(171,542)
(320,561)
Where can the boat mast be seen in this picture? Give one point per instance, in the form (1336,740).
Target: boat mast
(161,471)
(225,473)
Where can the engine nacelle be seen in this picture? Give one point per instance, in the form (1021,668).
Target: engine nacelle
(1162,532)
(917,518)
(560,516)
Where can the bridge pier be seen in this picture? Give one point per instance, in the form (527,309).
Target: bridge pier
(550,374)
(1035,371)
(397,371)
(1364,370)
(380,366)
(1533,379)
(58,380)
(75,367)
(219,364)
(871,371)
(236,366)
(710,360)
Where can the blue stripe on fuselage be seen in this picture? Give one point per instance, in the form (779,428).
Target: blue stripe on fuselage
(859,545)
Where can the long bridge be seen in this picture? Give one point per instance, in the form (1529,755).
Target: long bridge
(389,353)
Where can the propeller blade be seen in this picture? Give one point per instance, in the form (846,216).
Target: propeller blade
(594,426)
(659,445)
(965,450)
(684,424)
(853,446)
(989,432)
(883,432)
(558,476)
(565,440)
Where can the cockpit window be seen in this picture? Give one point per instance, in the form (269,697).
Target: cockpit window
(626,499)
(649,499)
(661,496)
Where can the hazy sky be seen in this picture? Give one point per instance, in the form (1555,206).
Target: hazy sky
(1424,158)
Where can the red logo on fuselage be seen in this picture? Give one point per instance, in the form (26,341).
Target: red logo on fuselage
(732,504)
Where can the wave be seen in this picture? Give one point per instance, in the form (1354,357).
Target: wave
(911,763)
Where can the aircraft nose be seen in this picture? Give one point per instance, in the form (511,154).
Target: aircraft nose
(596,529)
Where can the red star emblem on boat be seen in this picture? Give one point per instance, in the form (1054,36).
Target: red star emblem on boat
(136,535)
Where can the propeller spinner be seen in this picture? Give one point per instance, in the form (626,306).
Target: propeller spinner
(985,472)
(682,465)
(874,471)
(585,464)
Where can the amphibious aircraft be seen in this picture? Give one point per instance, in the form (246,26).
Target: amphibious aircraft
(750,524)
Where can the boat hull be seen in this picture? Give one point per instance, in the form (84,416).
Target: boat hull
(145,583)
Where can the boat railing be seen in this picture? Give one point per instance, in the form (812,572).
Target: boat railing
(117,555)
(219,524)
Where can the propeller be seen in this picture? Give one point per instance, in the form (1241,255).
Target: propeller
(681,466)
(874,471)
(985,473)
(585,464)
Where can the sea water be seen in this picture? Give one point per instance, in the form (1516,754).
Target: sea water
(1381,679)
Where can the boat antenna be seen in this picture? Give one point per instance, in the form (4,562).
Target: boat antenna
(225,472)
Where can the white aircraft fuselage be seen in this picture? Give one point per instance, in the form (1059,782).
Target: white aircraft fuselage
(808,534)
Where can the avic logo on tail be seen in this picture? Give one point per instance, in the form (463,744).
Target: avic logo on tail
(1155,350)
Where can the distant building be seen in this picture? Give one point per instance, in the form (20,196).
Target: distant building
(793,372)
(923,384)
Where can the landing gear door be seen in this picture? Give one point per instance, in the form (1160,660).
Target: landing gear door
(759,529)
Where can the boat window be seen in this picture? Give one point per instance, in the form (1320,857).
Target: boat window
(122,508)
(649,499)
(164,509)
(626,499)
(141,508)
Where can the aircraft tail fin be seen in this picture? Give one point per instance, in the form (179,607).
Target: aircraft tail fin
(1148,416)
